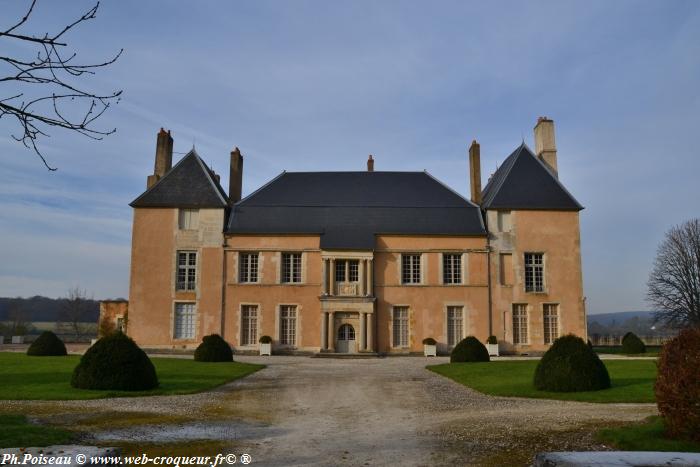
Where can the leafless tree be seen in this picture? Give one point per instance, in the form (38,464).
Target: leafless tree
(43,89)
(18,323)
(674,283)
(75,312)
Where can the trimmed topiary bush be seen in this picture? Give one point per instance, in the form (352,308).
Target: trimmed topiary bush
(677,385)
(632,344)
(213,349)
(115,362)
(469,350)
(570,365)
(47,344)
(265,340)
(429,341)
(492,340)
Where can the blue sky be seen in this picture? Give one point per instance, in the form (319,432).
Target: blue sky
(317,85)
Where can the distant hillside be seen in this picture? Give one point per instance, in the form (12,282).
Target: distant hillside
(42,309)
(607,319)
(618,324)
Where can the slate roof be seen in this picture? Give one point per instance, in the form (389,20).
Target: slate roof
(523,181)
(349,208)
(189,184)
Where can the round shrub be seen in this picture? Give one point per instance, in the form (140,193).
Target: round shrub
(213,349)
(47,344)
(115,362)
(632,344)
(469,350)
(571,366)
(265,340)
(492,340)
(677,385)
(429,341)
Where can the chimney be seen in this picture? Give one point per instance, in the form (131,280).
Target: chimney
(235,180)
(164,157)
(370,164)
(475,171)
(545,148)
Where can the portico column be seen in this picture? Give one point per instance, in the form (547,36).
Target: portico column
(370,327)
(370,277)
(325,276)
(331,332)
(363,347)
(324,331)
(332,277)
(363,285)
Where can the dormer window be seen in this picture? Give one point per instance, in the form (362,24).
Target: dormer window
(188,219)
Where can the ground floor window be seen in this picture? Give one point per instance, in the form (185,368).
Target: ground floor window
(288,325)
(454,325)
(551,322)
(249,324)
(400,326)
(520,324)
(185,314)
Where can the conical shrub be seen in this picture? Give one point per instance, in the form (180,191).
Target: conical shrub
(469,349)
(632,344)
(47,344)
(570,365)
(213,349)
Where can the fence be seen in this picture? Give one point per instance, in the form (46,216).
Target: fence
(612,340)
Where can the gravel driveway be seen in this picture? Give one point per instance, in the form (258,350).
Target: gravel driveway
(392,411)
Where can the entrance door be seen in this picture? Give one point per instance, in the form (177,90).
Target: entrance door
(346,339)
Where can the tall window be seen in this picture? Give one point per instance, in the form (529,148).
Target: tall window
(291,267)
(452,268)
(534,272)
(340,270)
(186,270)
(288,325)
(249,324)
(249,267)
(454,325)
(353,270)
(400,326)
(551,322)
(188,219)
(410,269)
(520,324)
(185,314)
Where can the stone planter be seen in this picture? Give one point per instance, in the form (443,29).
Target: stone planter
(18,339)
(492,349)
(2,340)
(430,350)
(266,349)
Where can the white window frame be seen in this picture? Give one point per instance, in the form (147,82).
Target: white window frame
(189,284)
(249,267)
(454,315)
(400,327)
(521,334)
(533,268)
(550,322)
(249,333)
(452,274)
(186,311)
(288,317)
(291,268)
(188,219)
(411,268)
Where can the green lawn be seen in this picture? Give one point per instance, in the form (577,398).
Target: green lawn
(632,380)
(18,432)
(48,378)
(646,436)
(652,350)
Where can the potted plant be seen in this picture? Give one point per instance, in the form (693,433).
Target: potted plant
(492,346)
(429,347)
(265,345)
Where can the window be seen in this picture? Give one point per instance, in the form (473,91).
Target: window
(249,267)
(291,267)
(534,272)
(452,268)
(410,269)
(184,321)
(346,333)
(288,325)
(340,270)
(520,324)
(121,325)
(186,270)
(505,267)
(551,322)
(249,324)
(353,271)
(454,325)
(188,219)
(400,326)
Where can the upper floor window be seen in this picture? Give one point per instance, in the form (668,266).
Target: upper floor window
(188,219)
(534,272)
(288,325)
(551,322)
(291,267)
(503,221)
(452,268)
(186,270)
(347,270)
(184,321)
(520,324)
(410,269)
(248,267)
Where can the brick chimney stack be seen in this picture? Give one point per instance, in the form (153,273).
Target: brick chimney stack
(545,148)
(235,180)
(164,157)
(370,164)
(475,171)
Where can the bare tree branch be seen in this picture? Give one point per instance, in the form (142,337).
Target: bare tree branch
(40,92)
